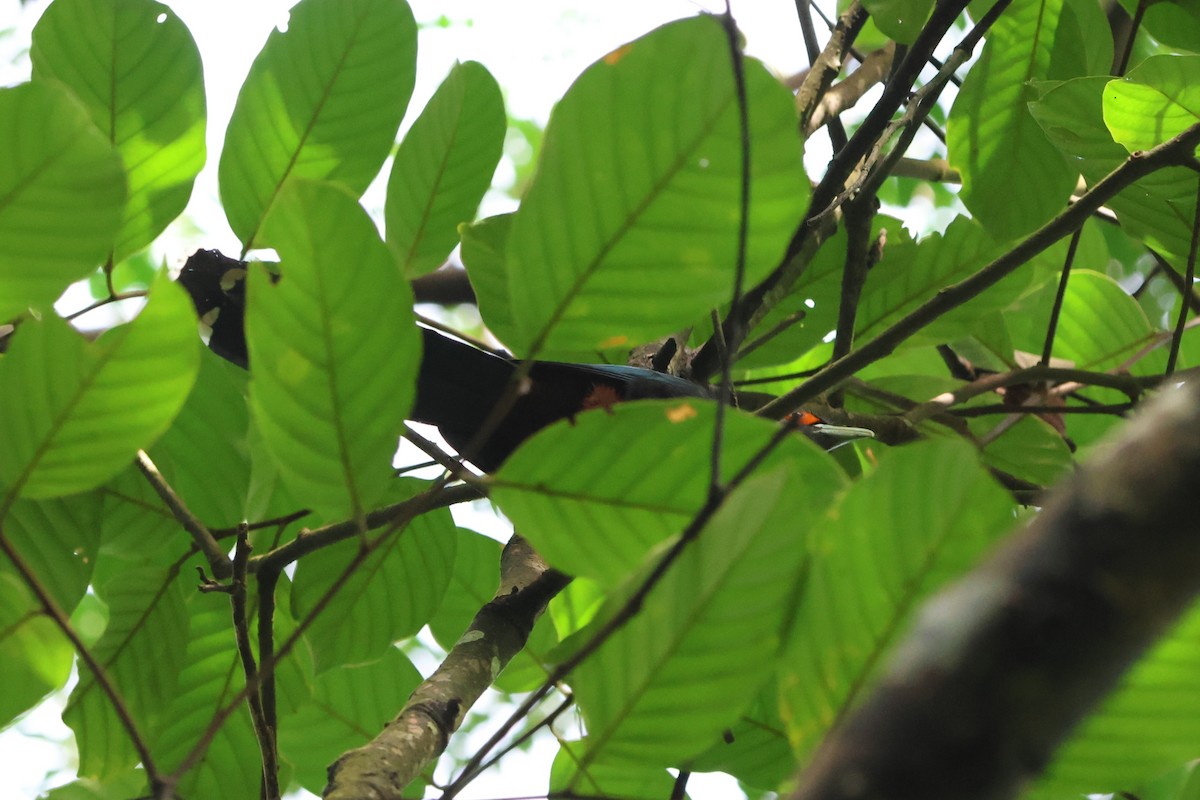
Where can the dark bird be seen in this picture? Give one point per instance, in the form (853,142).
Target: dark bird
(459,386)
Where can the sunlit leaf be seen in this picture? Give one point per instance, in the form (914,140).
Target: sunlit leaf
(388,597)
(1157,100)
(1000,150)
(640,482)
(74,413)
(137,70)
(664,686)
(61,192)
(332,350)
(926,514)
(629,230)
(1151,723)
(323,100)
(443,167)
(1159,208)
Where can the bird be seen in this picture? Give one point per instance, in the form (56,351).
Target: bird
(460,386)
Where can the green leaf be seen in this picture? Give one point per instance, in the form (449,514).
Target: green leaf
(204,453)
(472,585)
(388,597)
(911,274)
(664,686)
(443,167)
(629,230)
(1100,327)
(59,540)
(483,247)
(1150,723)
(993,140)
(61,192)
(1159,208)
(73,413)
(598,516)
(925,515)
(37,658)
(333,350)
(349,706)
(131,783)
(606,777)
(1031,449)
(902,20)
(137,70)
(754,749)
(147,625)
(1157,100)
(210,675)
(1174,23)
(322,100)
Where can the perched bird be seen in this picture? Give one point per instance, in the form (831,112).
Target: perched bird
(460,387)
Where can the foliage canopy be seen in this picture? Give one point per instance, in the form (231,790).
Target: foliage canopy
(737,591)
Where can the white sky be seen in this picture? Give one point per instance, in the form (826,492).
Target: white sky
(535,50)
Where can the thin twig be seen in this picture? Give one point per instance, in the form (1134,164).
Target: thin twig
(1189,281)
(1059,297)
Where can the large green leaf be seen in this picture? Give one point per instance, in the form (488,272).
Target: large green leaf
(137,70)
(350,705)
(629,230)
(204,452)
(209,677)
(1157,209)
(1158,99)
(597,516)
(1100,326)
(59,539)
(483,247)
(910,274)
(902,20)
(663,687)
(147,625)
(333,350)
(1151,723)
(924,516)
(322,100)
(61,192)
(388,597)
(992,139)
(73,413)
(37,658)
(605,777)
(443,167)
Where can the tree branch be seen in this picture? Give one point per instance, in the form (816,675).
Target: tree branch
(206,543)
(419,733)
(1001,666)
(1138,165)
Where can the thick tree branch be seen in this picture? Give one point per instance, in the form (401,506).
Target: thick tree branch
(419,733)
(1001,666)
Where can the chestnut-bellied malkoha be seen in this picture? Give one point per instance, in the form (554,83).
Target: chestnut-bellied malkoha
(459,385)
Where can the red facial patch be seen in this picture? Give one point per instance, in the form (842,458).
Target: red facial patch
(806,418)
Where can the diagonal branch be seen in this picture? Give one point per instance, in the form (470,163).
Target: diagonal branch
(1137,166)
(420,732)
(1000,667)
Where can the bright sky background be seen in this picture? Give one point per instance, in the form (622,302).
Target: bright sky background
(535,50)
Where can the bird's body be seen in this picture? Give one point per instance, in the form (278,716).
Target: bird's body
(485,405)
